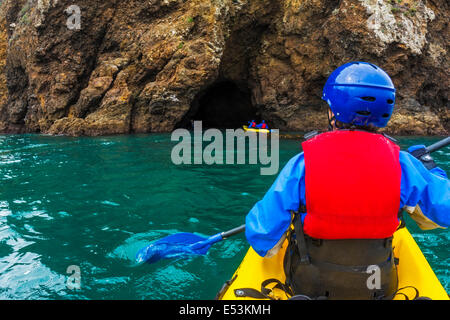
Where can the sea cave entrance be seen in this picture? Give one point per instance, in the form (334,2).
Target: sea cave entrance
(223,105)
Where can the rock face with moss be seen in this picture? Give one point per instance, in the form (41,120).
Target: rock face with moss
(137,66)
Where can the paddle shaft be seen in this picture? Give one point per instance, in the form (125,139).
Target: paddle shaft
(439,145)
(233,232)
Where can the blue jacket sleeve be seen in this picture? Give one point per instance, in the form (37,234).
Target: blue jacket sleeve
(439,172)
(270,218)
(428,189)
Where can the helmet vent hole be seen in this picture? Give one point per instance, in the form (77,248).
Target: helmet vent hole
(364,113)
(371,99)
(390,101)
(385,115)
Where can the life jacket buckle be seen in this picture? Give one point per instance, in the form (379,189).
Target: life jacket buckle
(305,260)
(311,135)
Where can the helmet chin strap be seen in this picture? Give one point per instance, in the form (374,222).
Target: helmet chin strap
(334,124)
(331,127)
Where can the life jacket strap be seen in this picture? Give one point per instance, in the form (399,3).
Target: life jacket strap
(300,238)
(401,218)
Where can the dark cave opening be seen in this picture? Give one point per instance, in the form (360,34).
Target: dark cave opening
(223,105)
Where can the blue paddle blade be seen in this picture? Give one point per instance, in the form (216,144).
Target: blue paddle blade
(177,245)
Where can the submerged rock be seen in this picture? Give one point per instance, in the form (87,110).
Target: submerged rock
(150,66)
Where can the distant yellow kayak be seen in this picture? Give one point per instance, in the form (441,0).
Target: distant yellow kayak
(413,271)
(246,128)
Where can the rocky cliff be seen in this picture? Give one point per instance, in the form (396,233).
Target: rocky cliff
(133,66)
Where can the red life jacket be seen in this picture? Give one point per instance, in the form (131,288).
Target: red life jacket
(263,126)
(352,183)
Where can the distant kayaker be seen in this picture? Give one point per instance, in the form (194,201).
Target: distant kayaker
(338,202)
(252,124)
(262,125)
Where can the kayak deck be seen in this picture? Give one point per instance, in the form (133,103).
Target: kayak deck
(413,270)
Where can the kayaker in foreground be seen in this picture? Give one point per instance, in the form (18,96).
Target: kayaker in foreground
(344,194)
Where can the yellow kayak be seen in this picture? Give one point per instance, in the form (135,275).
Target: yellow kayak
(413,271)
(247,129)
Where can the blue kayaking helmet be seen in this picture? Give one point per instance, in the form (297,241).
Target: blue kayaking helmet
(360,93)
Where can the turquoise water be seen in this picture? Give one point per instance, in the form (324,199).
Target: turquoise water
(93,202)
